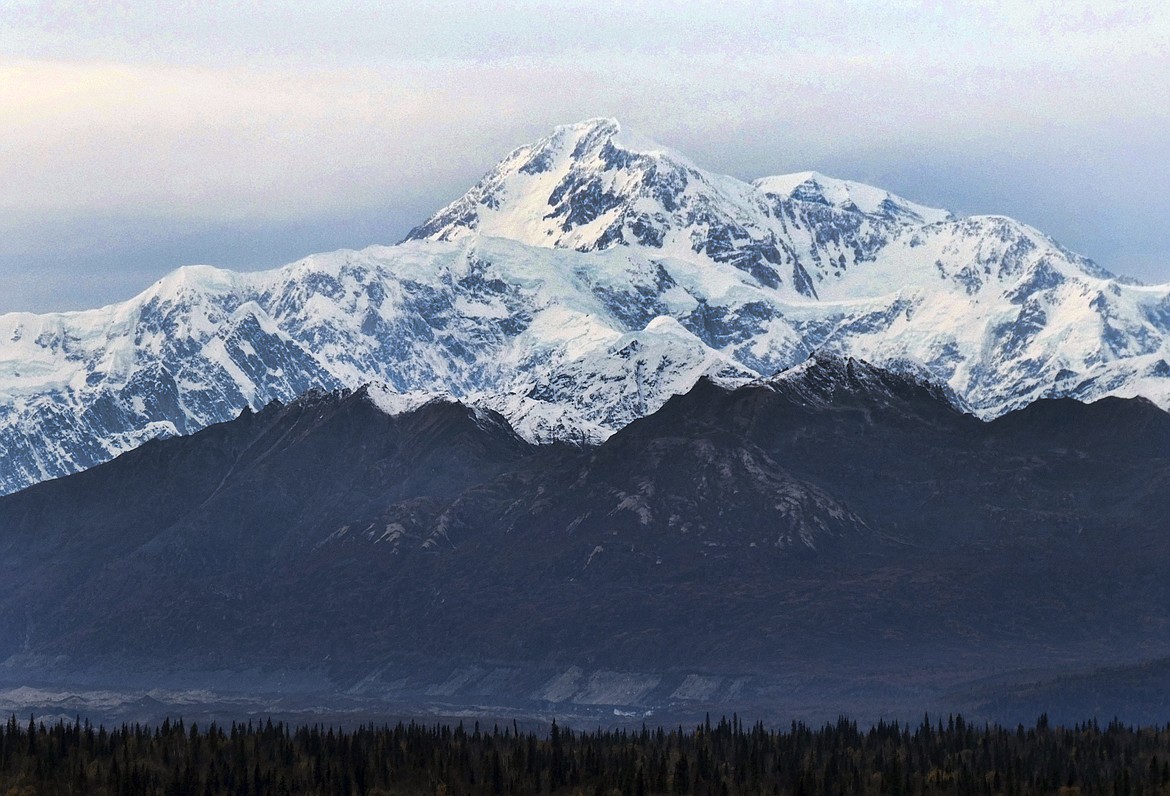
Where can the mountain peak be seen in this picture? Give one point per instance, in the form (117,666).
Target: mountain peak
(826,378)
(592,185)
(817,188)
(572,142)
(595,123)
(195,278)
(597,127)
(570,189)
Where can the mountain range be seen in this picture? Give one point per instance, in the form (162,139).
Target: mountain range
(583,282)
(837,537)
(609,436)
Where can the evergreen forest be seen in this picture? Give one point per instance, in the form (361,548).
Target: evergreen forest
(947,756)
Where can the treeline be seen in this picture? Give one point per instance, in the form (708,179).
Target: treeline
(941,757)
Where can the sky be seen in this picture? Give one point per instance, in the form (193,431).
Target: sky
(137,137)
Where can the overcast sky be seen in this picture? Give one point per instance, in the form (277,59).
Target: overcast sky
(136,137)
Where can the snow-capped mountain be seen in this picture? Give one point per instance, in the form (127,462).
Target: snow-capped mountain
(994,308)
(582,188)
(556,340)
(579,285)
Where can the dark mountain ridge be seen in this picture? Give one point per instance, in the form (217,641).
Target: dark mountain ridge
(836,537)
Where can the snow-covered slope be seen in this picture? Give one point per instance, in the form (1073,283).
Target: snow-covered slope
(576,287)
(567,345)
(582,188)
(995,308)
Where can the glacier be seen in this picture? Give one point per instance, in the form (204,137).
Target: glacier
(582,282)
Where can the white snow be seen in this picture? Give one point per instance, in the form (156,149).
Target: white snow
(500,309)
(844,193)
